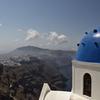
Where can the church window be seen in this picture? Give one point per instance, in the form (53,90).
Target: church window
(87,84)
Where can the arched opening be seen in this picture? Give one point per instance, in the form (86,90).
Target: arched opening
(87,84)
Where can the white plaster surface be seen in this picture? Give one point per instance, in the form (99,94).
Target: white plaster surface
(79,69)
(48,94)
(58,95)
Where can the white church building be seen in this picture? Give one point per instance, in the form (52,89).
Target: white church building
(85,72)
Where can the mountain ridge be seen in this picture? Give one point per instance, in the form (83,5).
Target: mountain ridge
(29,47)
(58,60)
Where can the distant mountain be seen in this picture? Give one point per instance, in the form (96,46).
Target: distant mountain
(53,59)
(36,51)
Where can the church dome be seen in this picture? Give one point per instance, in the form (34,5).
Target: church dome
(89,47)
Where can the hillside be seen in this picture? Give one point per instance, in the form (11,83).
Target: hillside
(33,66)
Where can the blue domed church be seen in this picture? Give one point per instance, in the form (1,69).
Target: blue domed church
(86,67)
(89,47)
(85,73)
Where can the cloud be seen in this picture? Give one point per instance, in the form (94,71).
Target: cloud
(20,30)
(32,34)
(0,24)
(16,40)
(51,39)
(57,38)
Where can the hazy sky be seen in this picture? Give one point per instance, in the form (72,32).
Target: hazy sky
(54,24)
